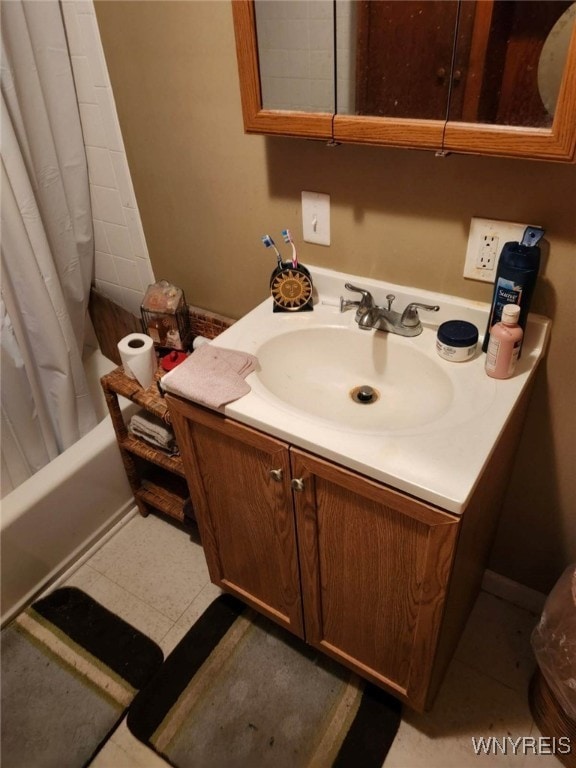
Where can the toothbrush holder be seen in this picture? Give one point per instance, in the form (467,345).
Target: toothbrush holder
(291,288)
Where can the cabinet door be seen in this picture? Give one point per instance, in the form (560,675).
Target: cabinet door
(463,131)
(240,488)
(374,570)
(257,119)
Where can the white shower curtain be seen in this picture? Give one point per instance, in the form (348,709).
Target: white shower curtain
(47,243)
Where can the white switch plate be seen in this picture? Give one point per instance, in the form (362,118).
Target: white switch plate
(485,242)
(316,218)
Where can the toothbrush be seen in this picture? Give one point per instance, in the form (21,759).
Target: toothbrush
(288,239)
(269,243)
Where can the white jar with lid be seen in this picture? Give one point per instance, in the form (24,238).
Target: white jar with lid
(457,340)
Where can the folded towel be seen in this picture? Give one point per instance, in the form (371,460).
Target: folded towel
(150,424)
(211,376)
(170,447)
(145,426)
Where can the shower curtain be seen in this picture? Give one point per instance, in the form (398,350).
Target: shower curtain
(47,249)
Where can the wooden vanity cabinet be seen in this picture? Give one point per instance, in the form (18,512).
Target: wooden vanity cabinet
(374,569)
(240,479)
(357,569)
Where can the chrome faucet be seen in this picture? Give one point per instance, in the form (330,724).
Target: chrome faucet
(369,315)
(366,301)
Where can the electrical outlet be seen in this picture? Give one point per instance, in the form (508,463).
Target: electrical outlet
(485,242)
(487,252)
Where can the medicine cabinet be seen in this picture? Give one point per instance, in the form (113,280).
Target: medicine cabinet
(487,77)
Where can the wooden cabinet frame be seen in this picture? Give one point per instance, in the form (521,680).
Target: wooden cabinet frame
(557,143)
(256,119)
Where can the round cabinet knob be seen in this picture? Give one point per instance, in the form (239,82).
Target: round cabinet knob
(297,484)
(276,474)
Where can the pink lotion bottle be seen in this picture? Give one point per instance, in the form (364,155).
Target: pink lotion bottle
(505,342)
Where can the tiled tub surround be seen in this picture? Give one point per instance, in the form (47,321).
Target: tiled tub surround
(122,265)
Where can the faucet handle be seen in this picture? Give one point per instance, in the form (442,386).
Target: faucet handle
(410,317)
(367,300)
(348,304)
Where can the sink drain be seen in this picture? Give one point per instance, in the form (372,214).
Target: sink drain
(364,394)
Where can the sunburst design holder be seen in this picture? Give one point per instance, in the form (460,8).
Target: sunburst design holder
(291,288)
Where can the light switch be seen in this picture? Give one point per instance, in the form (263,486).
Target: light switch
(316,218)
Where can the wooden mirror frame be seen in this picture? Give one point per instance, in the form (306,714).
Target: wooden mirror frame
(556,143)
(316,125)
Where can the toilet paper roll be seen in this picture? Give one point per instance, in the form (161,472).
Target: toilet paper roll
(138,358)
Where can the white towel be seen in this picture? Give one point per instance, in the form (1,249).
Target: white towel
(147,422)
(211,375)
(150,428)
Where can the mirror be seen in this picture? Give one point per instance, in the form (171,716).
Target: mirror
(296,54)
(553,58)
(398,57)
(498,51)
(461,60)
(306,66)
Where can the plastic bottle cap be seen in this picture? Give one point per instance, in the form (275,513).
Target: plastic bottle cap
(510,314)
(458,333)
(172,359)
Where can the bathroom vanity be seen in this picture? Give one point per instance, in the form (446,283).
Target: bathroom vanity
(367,539)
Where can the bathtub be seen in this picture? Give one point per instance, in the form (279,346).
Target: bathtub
(50,521)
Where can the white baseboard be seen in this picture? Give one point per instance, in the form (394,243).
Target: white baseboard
(513,592)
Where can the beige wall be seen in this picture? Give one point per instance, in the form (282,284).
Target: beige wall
(207,192)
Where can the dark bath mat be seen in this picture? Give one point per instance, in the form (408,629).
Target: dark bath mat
(70,669)
(239,691)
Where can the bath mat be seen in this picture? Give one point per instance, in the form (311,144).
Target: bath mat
(70,669)
(239,691)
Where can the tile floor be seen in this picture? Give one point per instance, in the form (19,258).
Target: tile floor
(154,576)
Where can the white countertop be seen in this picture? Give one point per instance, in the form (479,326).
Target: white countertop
(440,461)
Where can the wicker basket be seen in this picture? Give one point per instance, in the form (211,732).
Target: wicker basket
(551,718)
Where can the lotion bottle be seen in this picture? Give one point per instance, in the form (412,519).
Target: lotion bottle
(505,342)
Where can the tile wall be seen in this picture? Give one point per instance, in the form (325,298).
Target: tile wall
(296,50)
(122,265)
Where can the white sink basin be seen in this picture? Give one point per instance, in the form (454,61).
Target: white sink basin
(318,369)
(435,423)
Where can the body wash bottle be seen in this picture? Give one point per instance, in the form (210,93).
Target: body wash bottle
(515,281)
(505,343)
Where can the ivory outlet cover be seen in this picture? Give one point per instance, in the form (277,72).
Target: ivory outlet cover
(485,242)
